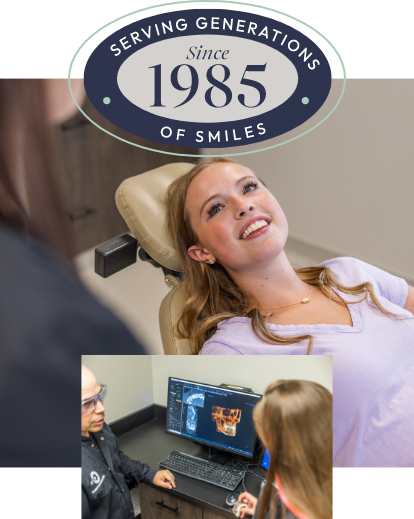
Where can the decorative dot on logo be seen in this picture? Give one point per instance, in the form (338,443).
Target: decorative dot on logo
(305,100)
(107,100)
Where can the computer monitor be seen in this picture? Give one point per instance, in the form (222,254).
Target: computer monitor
(265,461)
(210,415)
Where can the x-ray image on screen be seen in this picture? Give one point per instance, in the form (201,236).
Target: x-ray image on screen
(212,415)
(191,423)
(226,419)
(194,397)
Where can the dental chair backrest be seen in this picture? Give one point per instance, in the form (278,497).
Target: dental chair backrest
(141,202)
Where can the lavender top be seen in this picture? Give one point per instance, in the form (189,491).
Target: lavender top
(373,367)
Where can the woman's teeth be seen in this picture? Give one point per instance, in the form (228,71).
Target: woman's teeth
(253,227)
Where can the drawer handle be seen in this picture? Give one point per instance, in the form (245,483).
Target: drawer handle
(73,126)
(175,510)
(83,212)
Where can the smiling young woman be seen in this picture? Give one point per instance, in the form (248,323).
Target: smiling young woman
(245,298)
(230,232)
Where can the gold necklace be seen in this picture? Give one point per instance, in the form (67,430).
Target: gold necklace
(303,301)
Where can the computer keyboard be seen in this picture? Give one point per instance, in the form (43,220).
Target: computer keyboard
(214,473)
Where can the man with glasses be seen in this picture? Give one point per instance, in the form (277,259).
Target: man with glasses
(107,473)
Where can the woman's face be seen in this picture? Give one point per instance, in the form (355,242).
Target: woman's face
(237,220)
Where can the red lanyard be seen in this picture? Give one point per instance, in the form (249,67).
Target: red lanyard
(285,501)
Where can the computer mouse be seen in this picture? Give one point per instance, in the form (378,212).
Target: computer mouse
(232,498)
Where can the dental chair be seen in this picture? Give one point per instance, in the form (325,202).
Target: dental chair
(140,200)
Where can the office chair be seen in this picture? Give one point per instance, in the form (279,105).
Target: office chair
(141,202)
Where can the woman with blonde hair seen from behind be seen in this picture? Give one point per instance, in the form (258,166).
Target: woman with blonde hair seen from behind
(245,298)
(294,422)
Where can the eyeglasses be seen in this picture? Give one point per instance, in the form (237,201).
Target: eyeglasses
(89,405)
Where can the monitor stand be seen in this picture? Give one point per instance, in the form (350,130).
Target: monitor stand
(212,454)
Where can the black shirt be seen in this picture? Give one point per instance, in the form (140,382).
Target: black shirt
(107,475)
(91,442)
(47,321)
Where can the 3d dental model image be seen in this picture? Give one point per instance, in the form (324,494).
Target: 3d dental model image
(226,419)
(191,422)
(194,397)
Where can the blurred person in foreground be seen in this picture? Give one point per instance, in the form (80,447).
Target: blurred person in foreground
(107,473)
(294,422)
(47,317)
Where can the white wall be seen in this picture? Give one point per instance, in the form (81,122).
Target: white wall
(347,186)
(255,372)
(129,379)
(136,381)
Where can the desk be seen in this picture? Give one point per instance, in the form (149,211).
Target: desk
(149,443)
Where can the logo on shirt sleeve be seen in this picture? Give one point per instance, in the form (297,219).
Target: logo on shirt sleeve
(96,480)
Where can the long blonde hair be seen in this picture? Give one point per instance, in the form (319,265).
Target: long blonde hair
(214,297)
(294,422)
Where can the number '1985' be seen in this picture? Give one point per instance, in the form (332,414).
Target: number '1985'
(216,83)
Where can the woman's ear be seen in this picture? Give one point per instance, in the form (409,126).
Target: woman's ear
(199,254)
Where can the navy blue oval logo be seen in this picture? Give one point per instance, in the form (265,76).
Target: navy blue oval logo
(208,78)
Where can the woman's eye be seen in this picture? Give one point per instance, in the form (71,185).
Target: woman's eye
(214,209)
(251,186)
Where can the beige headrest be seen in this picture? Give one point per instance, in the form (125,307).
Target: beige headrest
(170,310)
(140,200)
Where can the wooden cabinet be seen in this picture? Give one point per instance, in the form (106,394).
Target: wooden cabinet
(93,164)
(208,514)
(157,504)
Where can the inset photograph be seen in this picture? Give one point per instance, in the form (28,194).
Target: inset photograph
(191,438)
